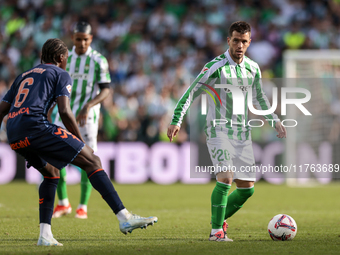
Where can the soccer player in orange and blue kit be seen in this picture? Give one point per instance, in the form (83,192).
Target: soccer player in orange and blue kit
(48,147)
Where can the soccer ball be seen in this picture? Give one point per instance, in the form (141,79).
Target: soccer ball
(282,227)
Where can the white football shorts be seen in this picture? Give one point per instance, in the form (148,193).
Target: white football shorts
(232,155)
(89,131)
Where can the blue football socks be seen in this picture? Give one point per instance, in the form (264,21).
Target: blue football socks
(101,182)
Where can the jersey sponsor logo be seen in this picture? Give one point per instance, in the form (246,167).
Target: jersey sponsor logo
(69,88)
(21,111)
(64,134)
(20,144)
(77,76)
(244,88)
(249,75)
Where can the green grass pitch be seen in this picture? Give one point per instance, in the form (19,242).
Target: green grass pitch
(183,227)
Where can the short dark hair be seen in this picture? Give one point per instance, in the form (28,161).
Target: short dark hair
(239,26)
(52,49)
(82,27)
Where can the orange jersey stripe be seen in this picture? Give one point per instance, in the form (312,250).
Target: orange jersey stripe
(51,177)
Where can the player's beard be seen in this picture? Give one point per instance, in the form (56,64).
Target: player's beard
(235,56)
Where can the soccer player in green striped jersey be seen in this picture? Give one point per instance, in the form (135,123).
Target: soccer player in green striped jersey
(90,76)
(229,141)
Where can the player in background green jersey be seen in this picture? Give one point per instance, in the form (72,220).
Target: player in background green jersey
(90,76)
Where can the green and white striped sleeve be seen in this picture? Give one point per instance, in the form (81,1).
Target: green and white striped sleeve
(190,94)
(103,75)
(260,100)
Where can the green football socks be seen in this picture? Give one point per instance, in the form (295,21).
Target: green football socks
(62,189)
(219,199)
(85,188)
(236,199)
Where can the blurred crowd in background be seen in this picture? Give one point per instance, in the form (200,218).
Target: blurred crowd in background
(156,48)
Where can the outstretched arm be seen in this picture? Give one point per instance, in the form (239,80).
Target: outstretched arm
(206,77)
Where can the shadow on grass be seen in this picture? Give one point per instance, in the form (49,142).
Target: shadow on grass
(17,240)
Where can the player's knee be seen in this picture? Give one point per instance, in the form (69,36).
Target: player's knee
(49,171)
(224,177)
(225,180)
(95,163)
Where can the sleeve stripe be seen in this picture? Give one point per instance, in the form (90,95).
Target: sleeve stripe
(189,95)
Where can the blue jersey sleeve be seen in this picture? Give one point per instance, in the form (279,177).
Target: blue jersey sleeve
(10,95)
(64,86)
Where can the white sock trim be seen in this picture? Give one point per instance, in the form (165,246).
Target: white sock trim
(84,207)
(245,187)
(123,215)
(64,202)
(214,231)
(45,231)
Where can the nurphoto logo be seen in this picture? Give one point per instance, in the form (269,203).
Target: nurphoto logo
(239,103)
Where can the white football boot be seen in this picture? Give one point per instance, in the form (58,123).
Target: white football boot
(136,221)
(51,242)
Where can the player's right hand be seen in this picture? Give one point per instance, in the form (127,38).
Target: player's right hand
(172,131)
(281,130)
(82,116)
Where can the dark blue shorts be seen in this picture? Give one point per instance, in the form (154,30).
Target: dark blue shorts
(55,146)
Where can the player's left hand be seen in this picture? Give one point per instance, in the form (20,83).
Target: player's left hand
(281,130)
(82,116)
(172,131)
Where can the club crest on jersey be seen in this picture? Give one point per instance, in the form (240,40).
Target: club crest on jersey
(87,67)
(69,88)
(249,75)
(204,69)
